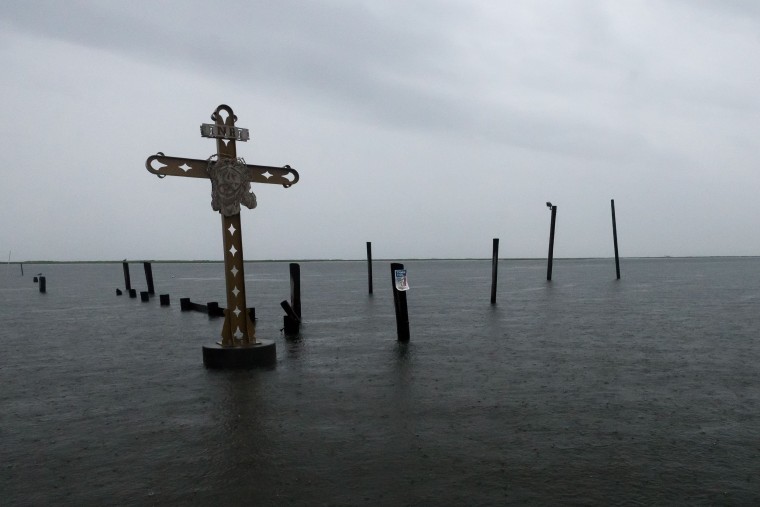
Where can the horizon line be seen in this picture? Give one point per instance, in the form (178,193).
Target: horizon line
(180,261)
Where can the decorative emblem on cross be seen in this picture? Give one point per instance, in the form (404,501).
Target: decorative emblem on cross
(231,180)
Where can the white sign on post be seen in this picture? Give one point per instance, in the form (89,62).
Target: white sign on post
(402,283)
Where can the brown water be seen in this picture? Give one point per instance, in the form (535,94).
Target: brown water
(585,390)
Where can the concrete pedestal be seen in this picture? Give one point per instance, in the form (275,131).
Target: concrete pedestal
(252,356)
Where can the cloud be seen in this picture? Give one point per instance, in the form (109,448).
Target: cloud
(478,111)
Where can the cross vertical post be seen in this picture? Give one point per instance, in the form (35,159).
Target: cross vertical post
(237,324)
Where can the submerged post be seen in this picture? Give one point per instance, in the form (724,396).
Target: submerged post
(494,269)
(369,265)
(149,277)
(400,286)
(127,282)
(292,318)
(43,285)
(614,239)
(551,242)
(295,288)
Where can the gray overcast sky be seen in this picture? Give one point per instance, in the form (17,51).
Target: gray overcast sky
(426,127)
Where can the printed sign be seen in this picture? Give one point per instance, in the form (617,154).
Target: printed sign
(401,281)
(224,132)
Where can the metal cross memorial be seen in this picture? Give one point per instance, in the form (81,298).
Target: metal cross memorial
(231,180)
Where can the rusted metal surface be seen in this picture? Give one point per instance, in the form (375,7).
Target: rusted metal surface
(238,328)
(162,165)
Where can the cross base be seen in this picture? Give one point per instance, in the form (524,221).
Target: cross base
(261,354)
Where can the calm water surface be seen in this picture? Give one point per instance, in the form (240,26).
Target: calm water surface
(585,390)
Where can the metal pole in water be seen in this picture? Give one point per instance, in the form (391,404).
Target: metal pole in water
(614,238)
(551,242)
(369,265)
(494,269)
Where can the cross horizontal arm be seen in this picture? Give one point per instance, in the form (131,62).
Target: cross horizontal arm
(161,165)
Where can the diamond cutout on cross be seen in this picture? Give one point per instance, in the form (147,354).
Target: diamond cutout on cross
(238,334)
(233,250)
(267,174)
(185,167)
(234,271)
(236,291)
(232,229)
(236,311)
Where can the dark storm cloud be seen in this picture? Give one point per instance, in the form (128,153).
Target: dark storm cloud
(396,66)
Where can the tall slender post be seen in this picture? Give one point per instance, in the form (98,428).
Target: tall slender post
(295,288)
(149,277)
(494,269)
(399,302)
(614,239)
(369,265)
(127,282)
(22,268)
(551,242)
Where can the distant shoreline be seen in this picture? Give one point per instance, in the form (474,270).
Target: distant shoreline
(199,261)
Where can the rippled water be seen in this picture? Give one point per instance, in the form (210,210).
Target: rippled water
(583,390)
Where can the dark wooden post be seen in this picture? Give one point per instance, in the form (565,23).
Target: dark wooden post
(127,282)
(494,269)
(614,239)
(213,310)
(551,243)
(22,268)
(369,265)
(149,277)
(42,283)
(292,319)
(295,288)
(399,303)
(164,298)
(291,323)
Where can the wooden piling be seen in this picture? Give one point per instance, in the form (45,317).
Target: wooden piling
(369,265)
(213,310)
(399,303)
(144,296)
(164,299)
(21,264)
(127,282)
(291,322)
(133,293)
(43,284)
(494,269)
(551,245)
(295,288)
(149,277)
(614,239)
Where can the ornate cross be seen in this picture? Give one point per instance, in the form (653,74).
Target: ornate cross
(231,181)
